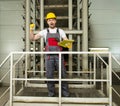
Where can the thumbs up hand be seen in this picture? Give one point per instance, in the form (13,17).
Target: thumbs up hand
(32,26)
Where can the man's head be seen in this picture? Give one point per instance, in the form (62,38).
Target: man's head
(51,19)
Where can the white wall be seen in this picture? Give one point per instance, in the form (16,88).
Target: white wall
(11,23)
(105,24)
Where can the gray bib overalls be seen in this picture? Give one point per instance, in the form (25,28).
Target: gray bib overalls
(52,63)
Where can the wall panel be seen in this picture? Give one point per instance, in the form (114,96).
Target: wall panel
(105,24)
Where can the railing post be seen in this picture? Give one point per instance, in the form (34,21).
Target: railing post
(102,69)
(110,79)
(11,82)
(60,79)
(94,69)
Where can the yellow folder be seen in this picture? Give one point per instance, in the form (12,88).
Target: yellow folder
(66,43)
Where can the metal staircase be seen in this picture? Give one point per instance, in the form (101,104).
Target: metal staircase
(72,16)
(95,90)
(89,73)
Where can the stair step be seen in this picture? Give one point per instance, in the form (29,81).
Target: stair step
(43,85)
(3,98)
(56,6)
(68,100)
(60,18)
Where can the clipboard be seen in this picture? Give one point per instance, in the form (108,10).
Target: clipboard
(66,43)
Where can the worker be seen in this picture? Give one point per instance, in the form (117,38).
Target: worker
(52,35)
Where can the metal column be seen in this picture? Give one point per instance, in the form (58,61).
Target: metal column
(27,25)
(78,36)
(85,33)
(27,45)
(70,36)
(34,41)
(41,40)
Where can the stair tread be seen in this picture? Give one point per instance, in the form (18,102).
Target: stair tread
(2,89)
(81,92)
(56,6)
(60,17)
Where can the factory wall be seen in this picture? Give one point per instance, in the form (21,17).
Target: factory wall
(11,23)
(105,25)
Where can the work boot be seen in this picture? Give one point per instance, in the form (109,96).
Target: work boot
(65,94)
(50,94)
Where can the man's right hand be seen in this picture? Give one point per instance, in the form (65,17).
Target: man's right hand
(32,26)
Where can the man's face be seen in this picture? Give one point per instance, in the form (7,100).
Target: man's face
(51,23)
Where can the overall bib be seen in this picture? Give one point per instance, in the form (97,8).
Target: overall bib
(52,63)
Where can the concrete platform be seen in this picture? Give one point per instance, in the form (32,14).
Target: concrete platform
(77,96)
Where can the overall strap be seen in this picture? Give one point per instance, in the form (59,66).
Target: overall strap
(47,30)
(59,34)
(56,31)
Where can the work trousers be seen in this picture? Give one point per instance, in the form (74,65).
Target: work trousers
(52,64)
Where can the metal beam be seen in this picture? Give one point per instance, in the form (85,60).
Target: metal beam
(27,45)
(34,4)
(85,25)
(68,32)
(78,37)
(70,28)
(41,40)
(85,33)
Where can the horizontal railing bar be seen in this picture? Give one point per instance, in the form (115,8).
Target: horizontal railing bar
(56,6)
(41,79)
(17,52)
(66,72)
(30,84)
(68,32)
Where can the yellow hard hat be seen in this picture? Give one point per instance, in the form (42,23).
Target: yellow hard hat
(50,15)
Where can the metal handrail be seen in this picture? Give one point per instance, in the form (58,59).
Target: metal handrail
(4,76)
(116,92)
(18,61)
(82,52)
(116,60)
(102,60)
(116,74)
(59,79)
(113,71)
(5,92)
(5,60)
